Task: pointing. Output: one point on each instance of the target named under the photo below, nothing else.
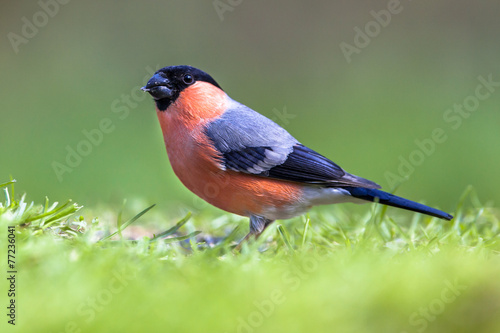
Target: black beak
(159, 87)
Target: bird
(242, 162)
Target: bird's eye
(188, 79)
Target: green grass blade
(7, 197)
(62, 214)
(51, 212)
(173, 229)
(119, 219)
(306, 228)
(129, 222)
(461, 200)
(181, 238)
(284, 236)
(400, 232)
(8, 183)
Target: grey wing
(251, 143)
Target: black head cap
(168, 82)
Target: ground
(330, 271)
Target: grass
(330, 271)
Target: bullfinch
(244, 163)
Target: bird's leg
(257, 226)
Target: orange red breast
(196, 162)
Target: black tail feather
(395, 201)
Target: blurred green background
(70, 68)
(85, 62)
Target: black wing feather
(245, 158)
(302, 165)
(305, 165)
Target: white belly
(312, 196)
